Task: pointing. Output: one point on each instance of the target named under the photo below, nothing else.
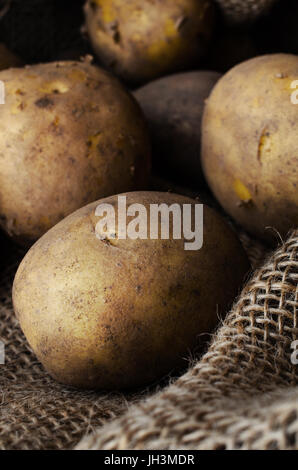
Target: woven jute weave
(242, 394)
(241, 11)
(35, 411)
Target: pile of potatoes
(112, 313)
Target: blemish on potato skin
(56, 121)
(20, 92)
(264, 144)
(242, 192)
(18, 107)
(114, 32)
(56, 87)
(281, 75)
(93, 142)
(181, 21)
(78, 112)
(77, 76)
(44, 103)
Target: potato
(173, 107)
(249, 144)
(144, 39)
(69, 134)
(8, 59)
(117, 313)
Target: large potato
(143, 39)
(69, 134)
(250, 141)
(173, 107)
(119, 313)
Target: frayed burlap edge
(242, 393)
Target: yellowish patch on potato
(56, 121)
(18, 107)
(19, 92)
(242, 192)
(165, 49)
(93, 141)
(44, 221)
(25, 134)
(107, 10)
(136, 37)
(284, 81)
(77, 75)
(265, 144)
(55, 86)
(170, 28)
(258, 102)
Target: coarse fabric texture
(243, 393)
(241, 11)
(35, 411)
(38, 413)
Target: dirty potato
(250, 141)
(140, 40)
(108, 313)
(173, 107)
(70, 134)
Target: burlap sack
(242, 11)
(242, 393)
(35, 411)
(219, 398)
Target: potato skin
(173, 107)
(70, 134)
(118, 314)
(140, 40)
(249, 144)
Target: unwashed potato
(120, 313)
(250, 141)
(173, 107)
(8, 59)
(70, 134)
(144, 39)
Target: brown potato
(120, 313)
(140, 40)
(249, 144)
(173, 107)
(70, 134)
